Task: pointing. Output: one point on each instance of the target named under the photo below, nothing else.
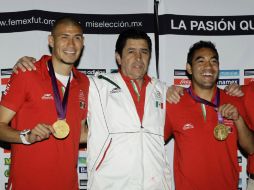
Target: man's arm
(234, 90)
(25, 63)
(8, 134)
(175, 92)
(84, 131)
(245, 135)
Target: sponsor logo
(92, 71)
(240, 159)
(227, 81)
(229, 73)
(82, 169)
(7, 161)
(6, 72)
(7, 150)
(248, 80)
(83, 182)
(113, 70)
(180, 73)
(188, 126)
(115, 90)
(7, 173)
(185, 82)
(4, 81)
(47, 97)
(82, 160)
(248, 72)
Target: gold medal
(220, 132)
(61, 128)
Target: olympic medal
(61, 128)
(220, 132)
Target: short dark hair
(131, 34)
(199, 45)
(65, 20)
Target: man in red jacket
(41, 104)
(247, 94)
(206, 124)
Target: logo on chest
(188, 126)
(82, 104)
(82, 99)
(158, 99)
(47, 96)
(115, 90)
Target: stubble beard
(68, 63)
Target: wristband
(23, 135)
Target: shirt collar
(214, 92)
(46, 58)
(147, 79)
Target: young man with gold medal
(207, 125)
(32, 102)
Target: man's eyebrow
(215, 57)
(68, 34)
(199, 57)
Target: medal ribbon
(135, 89)
(215, 104)
(203, 111)
(61, 107)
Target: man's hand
(229, 111)
(39, 133)
(174, 94)
(245, 135)
(234, 90)
(25, 63)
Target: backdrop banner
(25, 26)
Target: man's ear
(51, 41)
(118, 58)
(188, 68)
